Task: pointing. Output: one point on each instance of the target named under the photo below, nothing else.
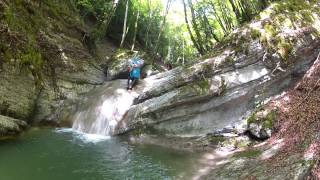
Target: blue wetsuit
(134, 75)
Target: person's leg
(133, 82)
(128, 83)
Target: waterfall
(101, 110)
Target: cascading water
(103, 108)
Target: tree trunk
(195, 26)
(183, 53)
(245, 11)
(189, 29)
(125, 29)
(226, 18)
(135, 30)
(150, 22)
(215, 13)
(162, 26)
(208, 27)
(113, 10)
(236, 11)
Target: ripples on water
(64, 154)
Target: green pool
(62, 154)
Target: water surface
(47, 154)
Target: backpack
(135, 71)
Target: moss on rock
(248, 154)
(260, 123)
(10, 126)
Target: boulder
(10, 126)
(260, 124)
(117, 67)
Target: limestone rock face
(17, 92)
(220, 91)
(72, 72)
(44, 64)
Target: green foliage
(223, 87)
(9, 16)
(28, 27)
(270, 30)
(31, 58)
(286, 15)
(99, 12)
(203, 86)
(285, 49)
(255, 34)
(252, 118)
(4, 108)
(85, 6)
(25, 20)
(165, 35)
(216, 139)
(266, 122)
(215, 19)
(269, 120)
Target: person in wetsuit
(134, 69)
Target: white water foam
(84, 137)
(103, 108)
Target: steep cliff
(45, 59)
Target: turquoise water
(47, 154)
